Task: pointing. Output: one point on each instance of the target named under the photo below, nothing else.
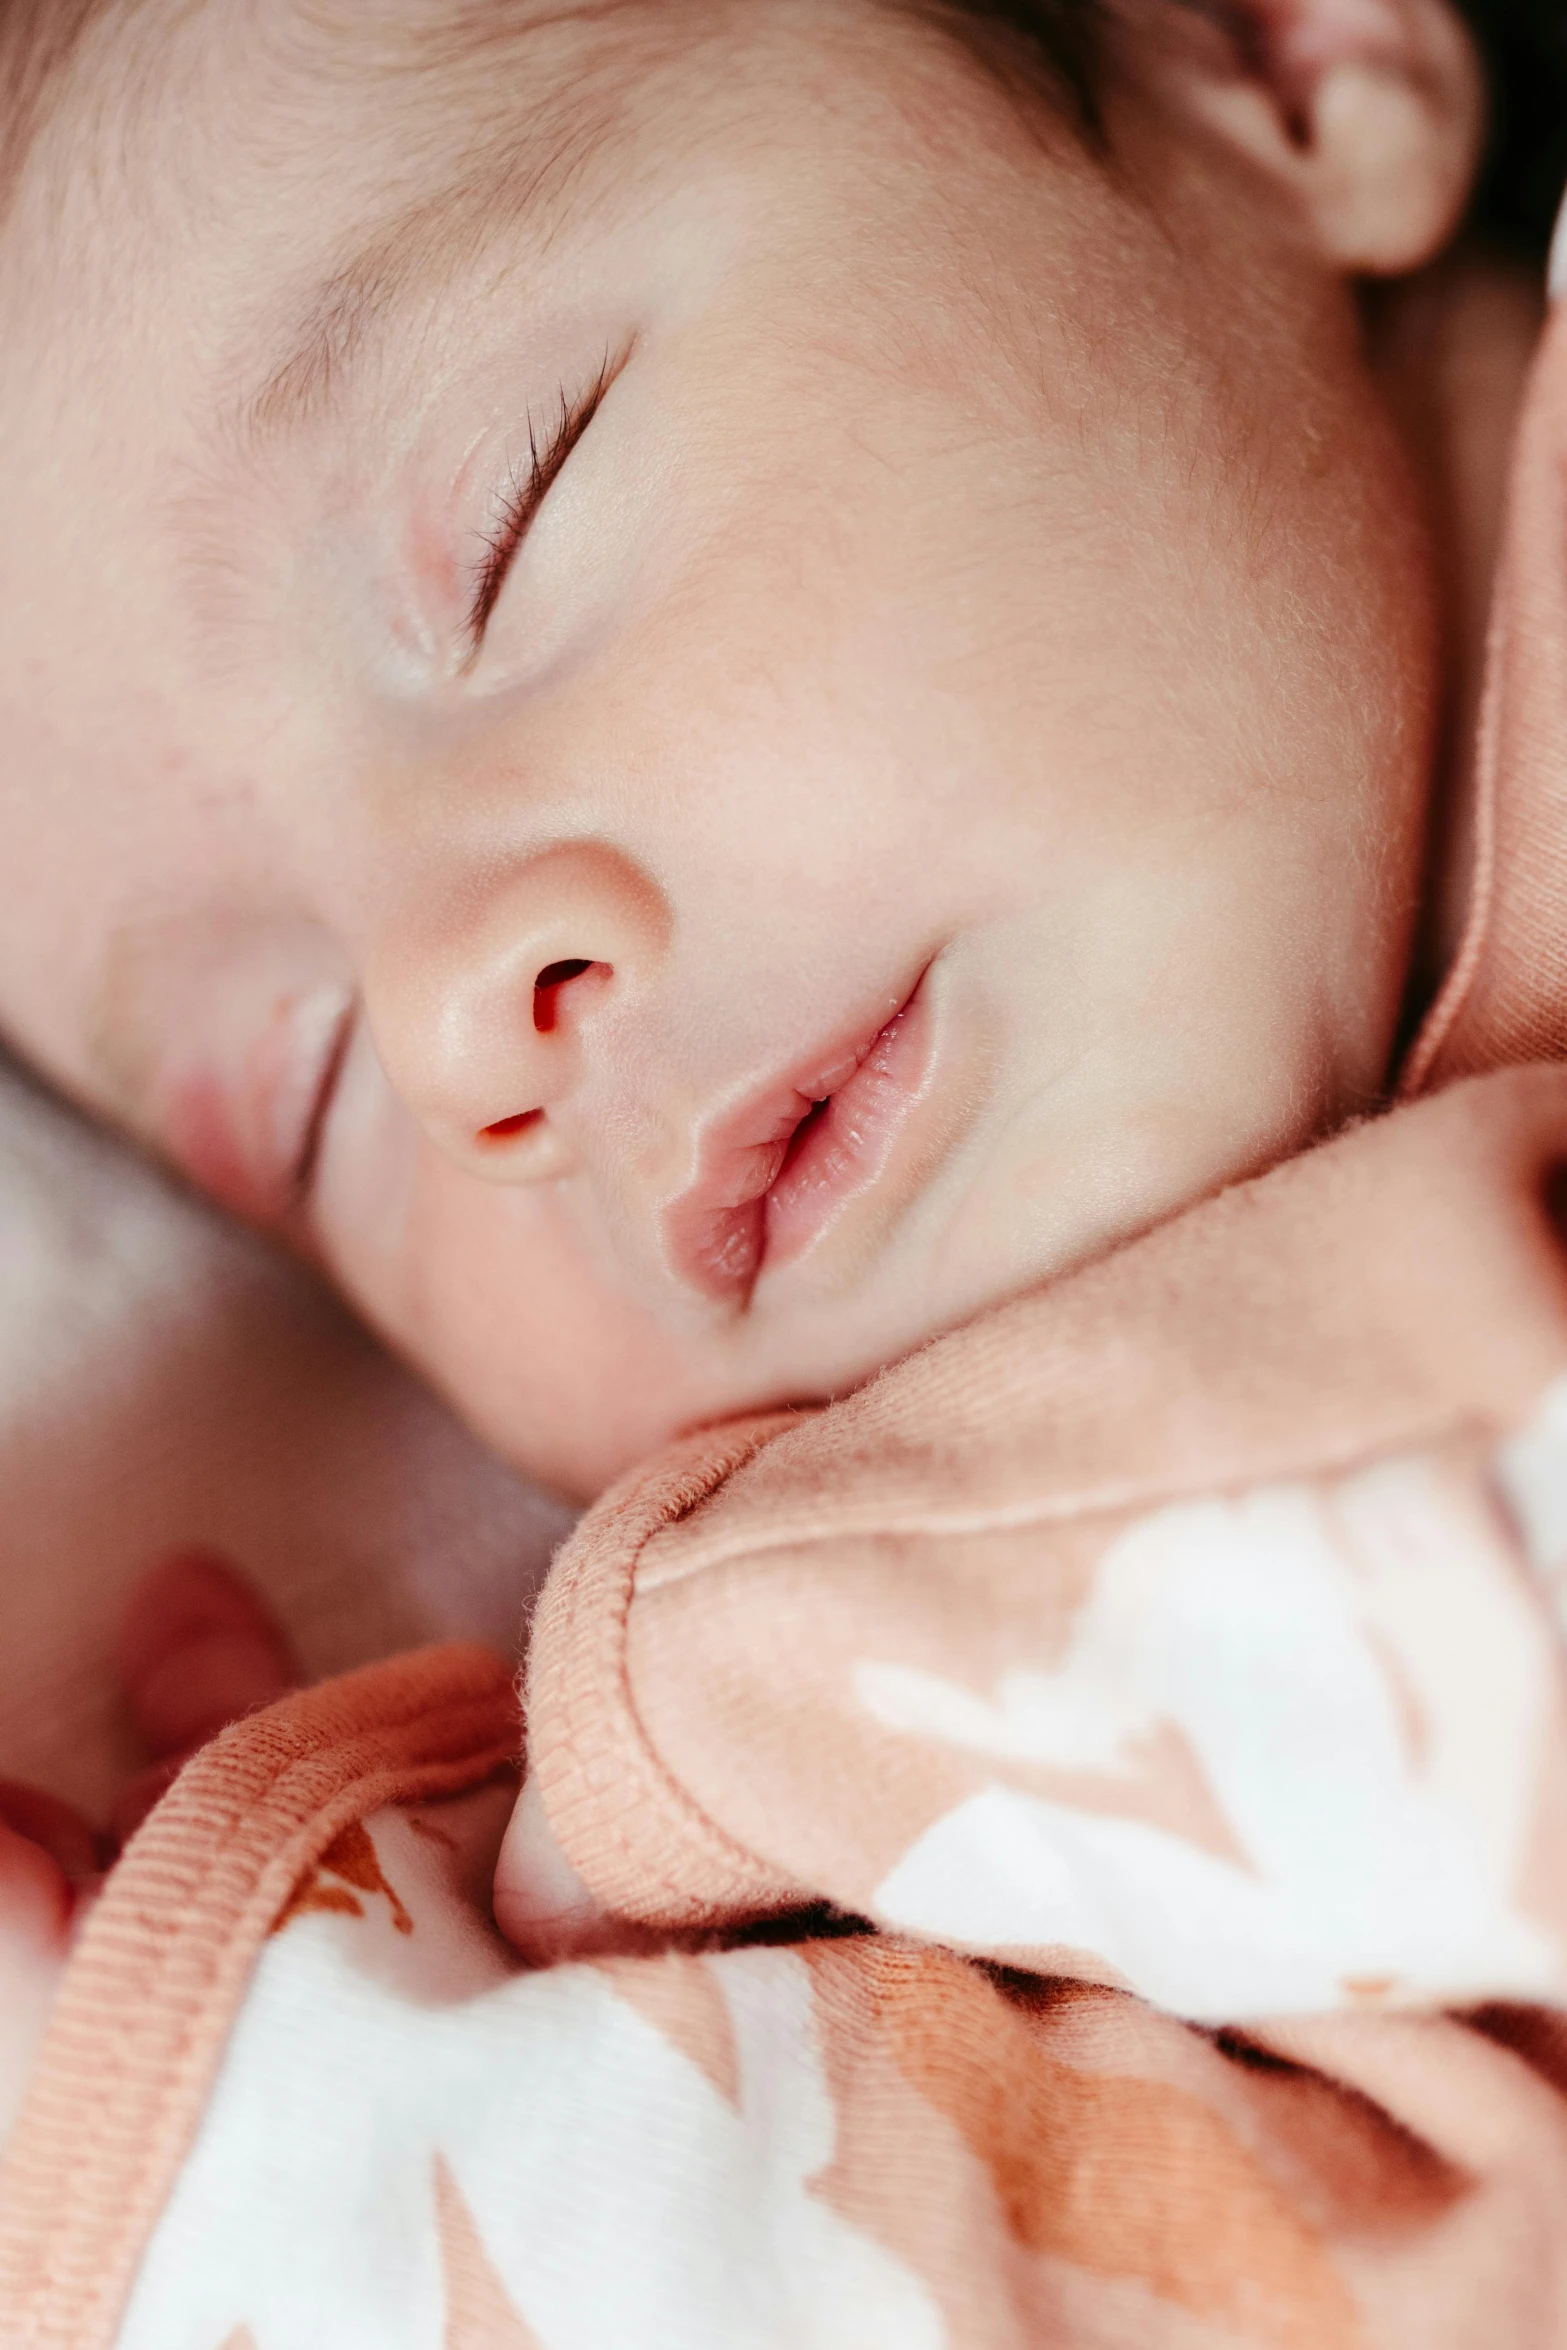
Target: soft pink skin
(197, 1650)
(982, 566)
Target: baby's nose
(483, 1011)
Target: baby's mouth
(777, 1173)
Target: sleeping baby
(716, 696)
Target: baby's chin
(575, 1382)
(607, 1391)
(516, 1303)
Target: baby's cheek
(37, 1917)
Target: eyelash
(302, 1174)
(525, 493)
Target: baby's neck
(1453, 349)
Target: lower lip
(836, 1153)
(843, 1147)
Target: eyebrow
(532, 174)
(331, 337)
(322, 350)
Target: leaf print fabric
(1174, 1720)
(1361, 1681)
(541, 2128)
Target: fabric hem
(142, 2019)
(592, 1760)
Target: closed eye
(329, 1069)
(530, 484)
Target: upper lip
(716, 1230)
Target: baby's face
(681, 689)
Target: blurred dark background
(1525, 43)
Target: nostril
(552, 980)
(546, 991)
(504, 1129)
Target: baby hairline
(41, 43)
(1062, 50)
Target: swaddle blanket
(1169, 1667)
(1094, 1804)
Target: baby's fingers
(198, 1650)
(38, 1903)
(541, 1904)
(52, 1828)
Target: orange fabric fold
(140, 2028)
(602, 1781)
(696, 1733)
(1506, 998)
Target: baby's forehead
(242, 193)
(106, 54)
(132, 115)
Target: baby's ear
(1368, 114)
